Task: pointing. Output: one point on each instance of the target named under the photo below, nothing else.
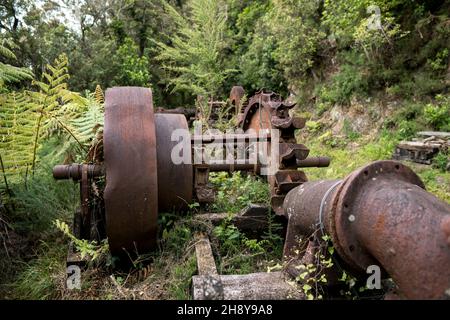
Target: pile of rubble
(425, 148)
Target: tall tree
(194, 57)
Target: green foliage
(284, 43)
(406, 129)
(294, 25)
(313, 276)
(18, 130)
(9, 73)
(313, 126)
(175, 237)
(28, 118)
(351, 134)
(442, 160)
(179, 287)
(331, 140)
(322, 107)
(133, 69)
(440, 62)
(38, 200)
(258, 66)
(42, 277)
(348, 20)
(90, 250)
(436, 180)
(238, 191)
(352, 80)
(437, 114)
(194, 56)
(229, 236)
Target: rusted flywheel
(141, 178)
(131, 193)
(175, 181)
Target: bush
(313, 126)
(352, 80)
(438, 115)
(406, 129)
(237, 192)
(441, 160)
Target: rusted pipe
(73, 171)
(380, 215)
(318, 162)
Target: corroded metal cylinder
(73, 171)
(175, 181)
(381, 215)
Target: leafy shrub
(440, 62)
(238, 191)
(441, 160)
(438, 115)
(330, 140)
(322, 107)
(351, 81)
(406, 129)
(351, 134)
(313, 126)
(133, 68)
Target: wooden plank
(437, 134)
(417, 145)
(254, 286)
(205, 259)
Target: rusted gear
(266, 111)
(131, 193)
(175, 181)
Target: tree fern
(55, 105)
(99, 96)
(194, 56)
(9, 73)
(17, 132)
(28, 118)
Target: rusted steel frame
(240, 137)
(74, 171)
(131, 193)
(84, 196)
(244, 141)
(380, 215)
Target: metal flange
(346, 208)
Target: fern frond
(99, 96)
(9, 73)
(17, 127)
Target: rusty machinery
(378, 215)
